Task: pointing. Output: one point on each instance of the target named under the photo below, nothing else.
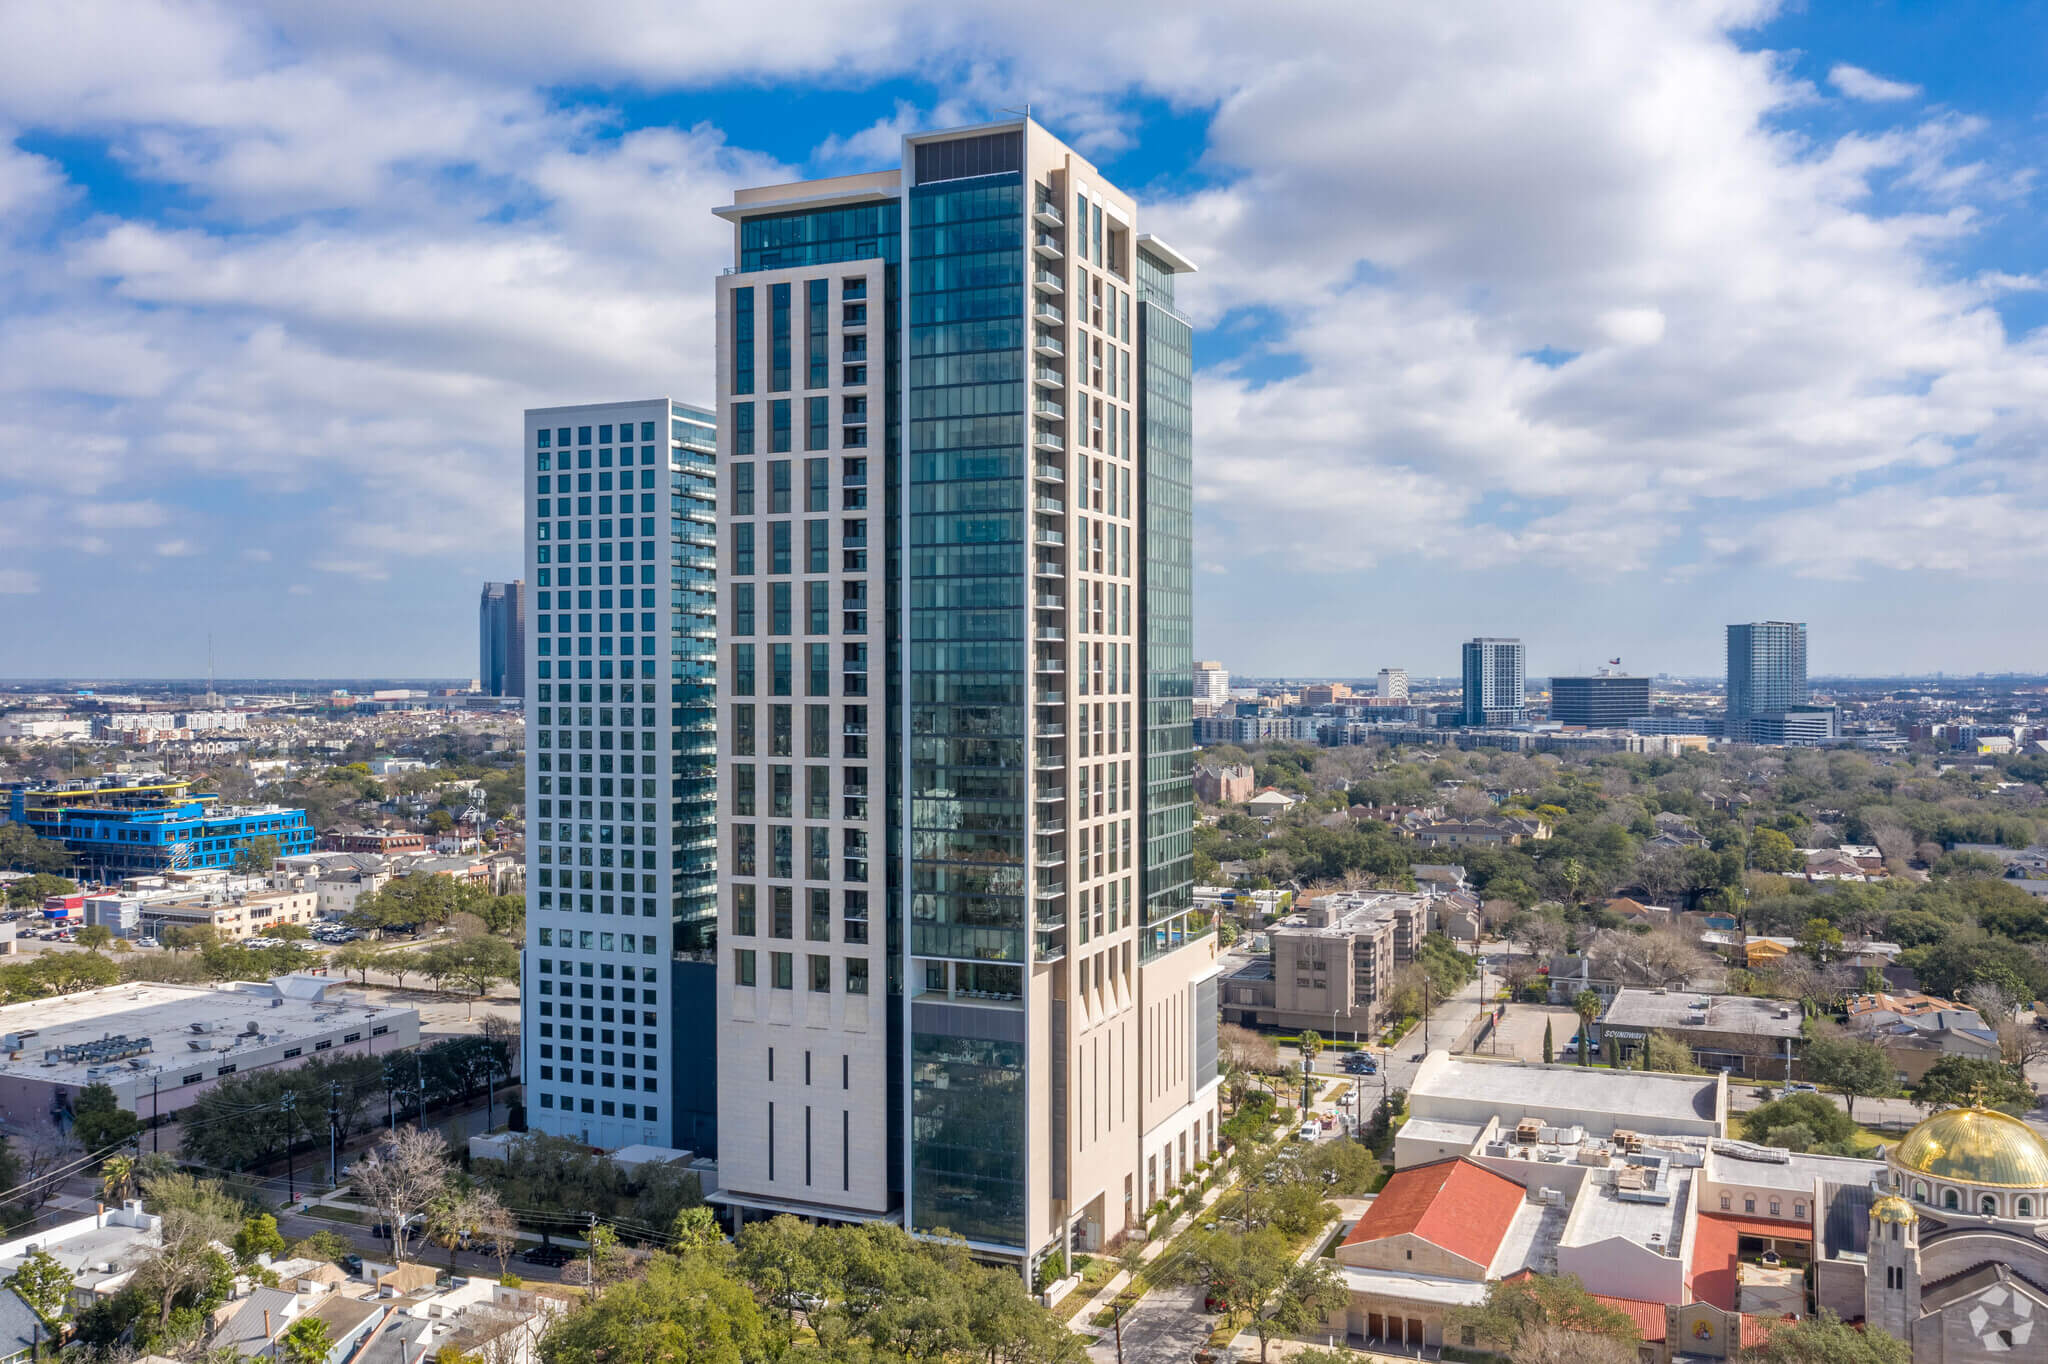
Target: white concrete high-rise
(962, 980)
(1393, 684)
(621, 853)
(1212, 683)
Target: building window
(1727, 1202)
(783, 968)
(1749, 1203)
(742, 341)
(1775, 1208)
(1949, 1199)
(821, 975)
(1988, 1206)
(743, 966)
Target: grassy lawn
(331, 1214)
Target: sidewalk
(1117, 1282)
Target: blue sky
(1599, 324)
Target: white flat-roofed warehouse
(160, 1046)
(1452, 1099)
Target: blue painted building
(123, 830)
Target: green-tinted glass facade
(1166, 625)
(967, 699)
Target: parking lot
(1521, 1032)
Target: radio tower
(212, 700)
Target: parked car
(352, 1263)
(1309, 1132)
(552, 1256)
(1802, 1088)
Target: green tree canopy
(1814, 1112)
(1968, 1082)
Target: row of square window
(853, 431)
(817, 484)
(782, 972)
(549, 460)
(567, 1103)
(782, 913)
(560, 434)
(587, 903)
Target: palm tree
(117, 1178)
(1586, 1005)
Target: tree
(258, 1236)
(94, 937)
(1308, 1292)
(1825, 1339)
(327, 1245)
(1771, 850)
(402, 1178)
(257, 856)
(1586, 1004)
(687, 1309)
(31, 891)
(1968, 1082)
(98, 1121)
(1549, 1047)
(1671, 1055)
(44, 1284)
(1815, 1112)
(475, 964)
(306, 1341)
(1820, 940)
(355, 958)
(197, 938)
(1311, 1044)
(1857, 1067)
(117, 1178)
(695, 1229)
(1549, 1319)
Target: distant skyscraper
(1212, 683)
(501, 634)
(963, 983)
(1393, 684)
(621, 852)
(1602, 701)
(1766, 668)
(1494, 683)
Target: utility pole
(289, 1103)
(333, 1135)
(420, 1077)
(156, 1115)
(590, 1248)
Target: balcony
(1048, 760)
(1045, 343)
(1049, 473)
(1050, 601)
(1052, 505)
(1052, 665)
(1048, 246)
(1048, 440)
(1047, 858)
(1051, 634)
(1046, 213)
(1048, 537)
(1048, 568)
(1049, 313)
(855, 809)
(1047, 282)
(1052, 731)
(1049, 407)
(1045, 376)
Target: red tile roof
(1455, 1204)
(1648, 1316)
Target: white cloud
(257, 556)
(391, 237)
(176, 549)
(19, 582)
(1857, 83)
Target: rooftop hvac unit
(1549, 1197)
(204, 1025)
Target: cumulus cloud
(391, 236)
(1857, 83)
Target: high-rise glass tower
(501, 639)
(962, 982)
(621, 853)
(1495, 690)
(1766, 668)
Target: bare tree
(1992, 1000)
(402, 1178)
(1657, 957)
(2021, 1044)
(1546, 1344)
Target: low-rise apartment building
(1330, 966)
(1757, 1038)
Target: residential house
(1224, 784)
(101, 1252)
(1270, 802)
(22, 1333)
(1916, 1030)
(1483, 831)
(1635, 911)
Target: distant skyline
(1596, 324)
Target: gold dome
(1975, 1146)
(1893, 1209)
